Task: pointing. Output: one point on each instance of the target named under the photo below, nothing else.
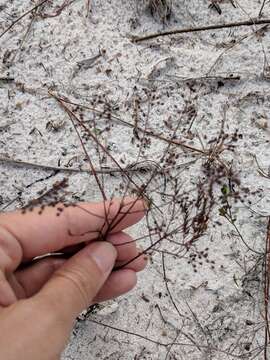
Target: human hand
(39, 302)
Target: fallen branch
(251, 22)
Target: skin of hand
(40, 301)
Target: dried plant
(161, 9)
(190, 181)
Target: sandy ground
(215, 312)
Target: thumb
(55, 307)
(73, 287)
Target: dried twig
(261, 9)
(39, 166)
(251, 22)
(22, 16)
(140, 167)
(266, 291)
(6, 79)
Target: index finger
(49, 229)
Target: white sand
(222, 308)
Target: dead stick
(39, 166)
(251, 22)
(131, 168)
(266, 291)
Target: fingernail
(104, 254)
